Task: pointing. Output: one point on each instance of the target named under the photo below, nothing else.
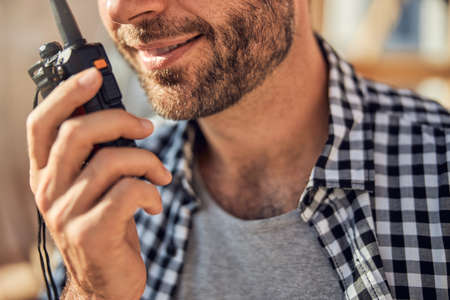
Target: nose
(134, 11)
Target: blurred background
(401, 42)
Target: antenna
(66, 23)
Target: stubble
(241, 52)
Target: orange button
(100, 64)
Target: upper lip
(164, 43)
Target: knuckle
(33, 180)
(130, 189)
(80, 238)
(127, 186)
(70, 130)
(96, 167)
(54, 221)
(71, 85)
(109, 161)
(63, 90)
(32, 123)
(104, 160)
(42, 198)
(78, 235)
(105, 164)
(105, 155)
(42, 202)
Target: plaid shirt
(378, 197)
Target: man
(294, 178)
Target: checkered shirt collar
(347, 159)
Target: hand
(89, 211)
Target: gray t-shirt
(274, 258)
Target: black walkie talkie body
(60, 63)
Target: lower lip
(155, 62)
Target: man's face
(195, 58)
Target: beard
(250, 42)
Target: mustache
(160, 28)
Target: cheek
(211, 11)
(110, 26)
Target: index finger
(43, 122)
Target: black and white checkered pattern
(378, 197)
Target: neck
(283, 120)
(259, 153)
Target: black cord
(36, 98)
(41, 258)
(47, 258)
(42, 241)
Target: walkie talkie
(59, 63)
(56, 65)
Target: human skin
(264, 161)
(92, 228)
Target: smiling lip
(161, 54)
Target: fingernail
(146, 124)
(89, 78)
(169, 175)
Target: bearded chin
(231, 61)
(180, 95)
(168, 97)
